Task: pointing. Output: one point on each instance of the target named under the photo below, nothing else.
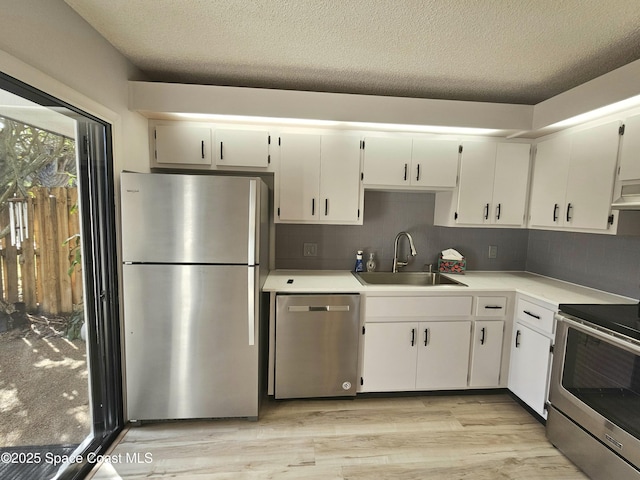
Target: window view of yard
(44, 397)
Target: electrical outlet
(310, 249)
(493, 251)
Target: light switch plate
(310, 249)
(493, 251)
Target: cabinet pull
(569, 208)
(486, 211)
(556, 207)
(413, 337)
(493, 307)
(313, 206)
(326, 207)
(202, 148)
(426, 336)
(221, 155)
(517, 338)
(498, 215)
(482, 332)
(537, 317)
(418, 175)
(405, 172)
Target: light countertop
(549, 290)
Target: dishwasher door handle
(325, 308)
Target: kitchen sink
(424, 279)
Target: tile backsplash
(386, 214)
(605, 262)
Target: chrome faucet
(396, 263)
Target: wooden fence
(37, 273)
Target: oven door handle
(605, 337)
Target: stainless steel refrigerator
(195, 255)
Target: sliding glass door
(60, 374)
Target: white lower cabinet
(405, 356)
(486, 353)
(390, 355)
(529, 368)
(443, 355)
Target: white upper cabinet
(510, 183)
(299, 177)
(319, 179)
(493, 184)
(476, 183)
(549, 184)
(592, 171)
(242, 148)
(387, 161)
(340, 179)
(182, 145)
(630, 150)
(417, 162)
(434, 163)
(573, 179)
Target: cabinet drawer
(536, 316)
(391, 307)
(491, 307)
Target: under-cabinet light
(334, 123)
(598, 112)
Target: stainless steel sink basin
(424, 279)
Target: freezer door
(190, 218)
(191, 341)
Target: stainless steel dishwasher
(316, 345)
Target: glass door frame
(100, 272)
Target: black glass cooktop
(623, 319)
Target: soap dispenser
(371, 263)
(359, 266)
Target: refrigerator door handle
(251, 288)
(253, 229)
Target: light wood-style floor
(422, 437)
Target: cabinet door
(242, 148)
(299, 177)
(549, 184)
(387, 161)
(630, 151)
(476, 183)
(591, 175)
(529, 367)
(510, 184)
(443, 355)
(182, 144)
(340, 179)
(486, 355)
(390, 351)
(434, 163)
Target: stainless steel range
(594, 411)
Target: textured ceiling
(512, 51)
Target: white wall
(73, 62)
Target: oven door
(595, 382)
